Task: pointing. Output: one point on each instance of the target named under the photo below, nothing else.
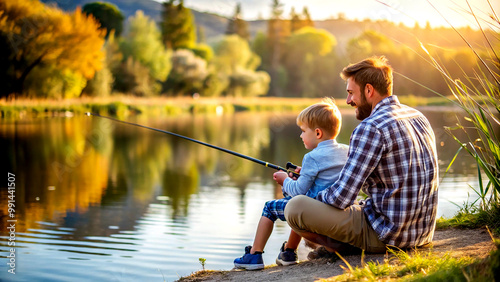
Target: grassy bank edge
(122, 106)
(422, 265)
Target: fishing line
(264, 163)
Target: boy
(320, 124)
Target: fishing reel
(290, 167)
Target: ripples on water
(153, 206)
(158, 246)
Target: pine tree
(237, 25)
(177, 26)
(295, 21)
(307, 17)
(277, 30)
(300, 21)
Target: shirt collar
(387, 101)
(327, 142)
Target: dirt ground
(457, 242)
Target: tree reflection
(92, 174)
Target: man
(392, 158)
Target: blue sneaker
(249, 261)
(287, 257)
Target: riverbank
(463, 245)
(122, 106)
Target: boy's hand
(297, 170)
(280, 177)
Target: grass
(479, 97)
(425, 266)
(471, 217)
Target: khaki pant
(305, 214)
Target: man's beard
(364, 110)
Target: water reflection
(133, 203)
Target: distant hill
(215, 25)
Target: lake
(104, 201)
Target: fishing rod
(266, 164)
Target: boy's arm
(308, 174)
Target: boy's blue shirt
(320, 169)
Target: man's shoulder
(389, 114)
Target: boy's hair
(324, 115)
(375, 71)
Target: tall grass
(479, 97)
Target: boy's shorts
(275, 209)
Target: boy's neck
(323, 140)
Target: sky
(405, 11)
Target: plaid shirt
(392, 158)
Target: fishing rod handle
(291, 169)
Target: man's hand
(280, 177)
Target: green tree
(101, 84)
(188, 73)
(246, 83)
(203, 51)
(107, 14)
(307, 49)
(232, 53)
(237, 25)
(370, 43)
(177, 26)
(235, 64)
(48, 81)
(39, 35)
(133, 77)
(143, 44)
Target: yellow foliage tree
(40, 35)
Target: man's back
(392, 158)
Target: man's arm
(365, 151)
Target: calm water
(98, 200)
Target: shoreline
(473, 244)
(122, 106)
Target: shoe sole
(249, 266)
(285, 263)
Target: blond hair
(324, 115)
(374, 70)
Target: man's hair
(324, 115)
(375, 71)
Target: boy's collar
(327, 142)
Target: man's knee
(294, 210)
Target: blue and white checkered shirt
(392, 158)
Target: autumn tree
(107, 14)
(237, 25)
(177, 26)
(37, 35)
